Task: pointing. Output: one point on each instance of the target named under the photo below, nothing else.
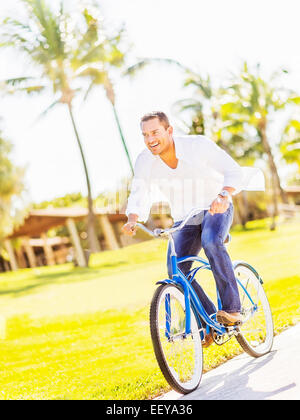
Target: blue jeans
(209, 233)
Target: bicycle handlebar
(160, 232)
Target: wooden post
(48, 250)
(76, 242)
(20, 258)
(6, 266)
(120, 233)
(11, 253)
(108, 232)
(29, 252)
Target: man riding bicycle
(189, 172)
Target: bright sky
(212, 36)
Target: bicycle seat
(227, 239)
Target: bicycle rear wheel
(256, 333)
(179, 356)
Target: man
(191, 172)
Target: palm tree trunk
(110, 93)
(239, 204)
(275, 180)
(123, 139)
(91, 231)
(275, 203)
(272, 165)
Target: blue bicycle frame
(191, 298)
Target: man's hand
(219, 205)
(129, 228)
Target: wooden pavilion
(32, 234)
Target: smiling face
(157, 137)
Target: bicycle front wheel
(179, 356)
(256, 332)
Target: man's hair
(163, 119)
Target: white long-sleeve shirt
(203, 170)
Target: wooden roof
(293, 189)
(39, 221)
(57, 240)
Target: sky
(213, 37)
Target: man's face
(157, 138)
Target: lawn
(74, 333)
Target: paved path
(275, 376)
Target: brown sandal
(207, 341)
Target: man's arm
(138, 204)
(223, 163)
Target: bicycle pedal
(228, 325)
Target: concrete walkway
(275, 376)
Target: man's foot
(207, 341)
(227, 318)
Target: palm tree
(61, 50)
(205, 116)
(101, 64)
(196, 106)
(250, 101)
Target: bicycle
(177, 317)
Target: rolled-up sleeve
(218, 159)
(139, 199)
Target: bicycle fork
(186, 292)
(187, 311)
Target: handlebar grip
(157, 231)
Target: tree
(11, 186)
(203, 113)
(251, 101)
(199, 106)
(102, 64)
(290, 143)
(63, 51)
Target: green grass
(74, 333)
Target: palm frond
(45, 112)
(18, 80)
(187, 105)
(88, 91)
(294, 100)
(22, 84)
(141, 64)
(32, 89)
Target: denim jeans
(209, 232)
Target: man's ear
(170, 130)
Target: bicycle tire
(256, 333)
(162, 344)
